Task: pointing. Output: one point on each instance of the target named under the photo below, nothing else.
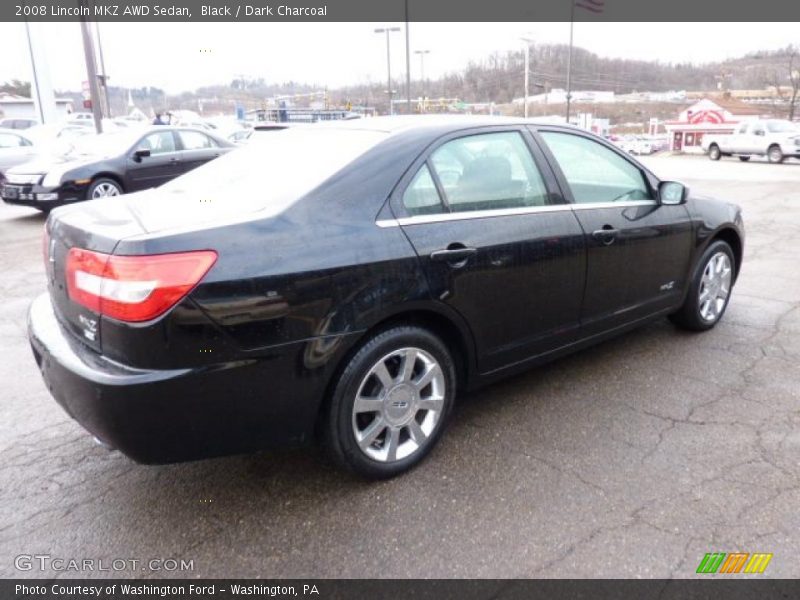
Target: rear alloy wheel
(391, 402)
(714, 152)
(775, 154)
(102, 188)
(710, 290)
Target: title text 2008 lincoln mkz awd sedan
(345, 282)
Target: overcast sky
(169, 56)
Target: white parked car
(15, 148)
(774, 138)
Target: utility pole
(527, 41)
(91, 72)
(408, 65)
(104, 75)
(569, 58)
(422, 54)
(387, 31)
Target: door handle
(173, 160)
(455, 254)
(607, 235)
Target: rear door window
(489, 171)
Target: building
(707, 116)
(19, 107)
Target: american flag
(595, 6)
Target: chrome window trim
(506, 212)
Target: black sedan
(110, 164)
(388, 265)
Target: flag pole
(569, 56)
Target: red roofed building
(717, 116)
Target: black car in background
(110, 164)
(388, 265)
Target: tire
(103, 187)
(713, 276)
(775, 155)
(714, 152)
(400, 431)
(744, 158)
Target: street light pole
(387, 31)
(569, 59)
(408, 65)
(422, 54)
(527, 69)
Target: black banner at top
(400, 10)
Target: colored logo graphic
(735, 562)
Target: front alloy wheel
(103, 188)
(391, 402)
(715, 287)
(709, 290)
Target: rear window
(274, 171)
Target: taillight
(134, 288)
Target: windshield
(274, 171)
(781, 127)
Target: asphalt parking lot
(631, 459)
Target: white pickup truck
(773, 138)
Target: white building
(19, 107)
(717, 116)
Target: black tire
(744, 158)
(775, 154)
(689, 316)
(340, 420)
(714, 152)
(100, 182)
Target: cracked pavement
(630, 459)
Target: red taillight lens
(134, 288)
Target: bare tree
(792, 72)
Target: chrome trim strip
(506, 212)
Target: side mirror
(138, 155)
(672, 192)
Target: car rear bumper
(162, 416)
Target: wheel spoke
(434, 404)
(392, 442)
(425, 379)
(407, 370)
(365, 404)
(416, 432)
(383, 375)
(370, 434)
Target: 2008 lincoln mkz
(344, 282)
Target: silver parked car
(15, 148)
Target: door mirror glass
(672, 192)
(140, 154)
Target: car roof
(403, 123)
